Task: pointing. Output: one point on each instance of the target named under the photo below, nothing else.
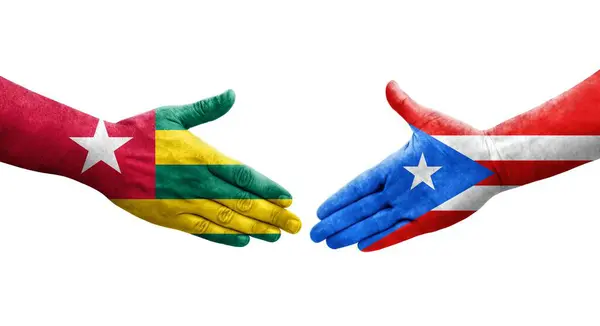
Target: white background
(311, 114)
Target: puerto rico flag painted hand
(150, 165)
(449, 169)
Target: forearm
(39, 134)
(557, 136)
(575, 112)
(32, 132)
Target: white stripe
(472, 199)
(520, 148)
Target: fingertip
(269, 237)
(293, 225)
(218, 106)
(227, 98)
(242, 240)
(278, 190)
(408, 109)
(223, 103)
(364, 247)
(317, 234)
(333, 244)
(234, 240)
(394, 94)
(284, 200)
(391, 85)
(390, 88)
(284, 194)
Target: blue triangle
(457, 174)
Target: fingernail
(293, 226)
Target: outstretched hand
(194, 188)
(425, 186)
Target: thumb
(191, 115)
(406, 107)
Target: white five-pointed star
(101, 147)
(422, 173)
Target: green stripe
(182, 117)
(168, 118)
(249, 179)
(266, 237)
(237, 240)
(197, 182)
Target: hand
(424, 187)
(157, 170)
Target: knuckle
(199, 108)
(276, 215)
(244, 203)
(201, 227)
(243, 176)
(225, 215)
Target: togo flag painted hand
(448, 169)
(150, 165)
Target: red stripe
(574, 113)
(423, 118)
(518, 173)
(429, 222)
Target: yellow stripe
(265, 211)
(181, 147)
(281, 202)
(171, 212)
(161, 212)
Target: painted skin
(388, 197)
(202, 191)
(463, 169)
(150, 165)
